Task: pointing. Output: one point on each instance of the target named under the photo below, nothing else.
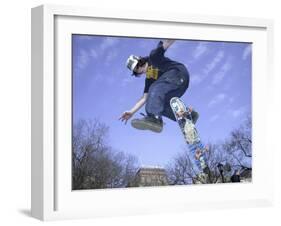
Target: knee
(152, 93)
(155, 93)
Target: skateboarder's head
(138, 65)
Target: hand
(180, 113)
(126, 116)
(198, 154)
(167, 43)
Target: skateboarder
(165, 79)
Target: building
(149, 176)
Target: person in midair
(165, 79)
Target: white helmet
(132, 62)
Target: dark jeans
(172, 83)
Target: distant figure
(235, 177)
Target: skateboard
(184, 119)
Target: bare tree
(88, 138)
(181, 170)
(94, 163)
(239, 145)
(223, 159)
(129, 169)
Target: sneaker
(148, 123)
(192, 115)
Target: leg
(168, 112)
(169, 82)
(195, 116)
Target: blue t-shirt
(157, 65)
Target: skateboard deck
(184, 119)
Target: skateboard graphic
(191, 136)
(184, 119)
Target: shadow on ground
(25, 212)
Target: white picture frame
(52, 197)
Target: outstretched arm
(167, 43)
(139, 104)
(157, 55)
(128, 114)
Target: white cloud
(209, 67)
(238, 112)
(247, 51)
(82, 59)
(108, 50)
(200, 50)
(219, 76)
(217, 59)
(217, 99)
(93, 53)
(110, 56)
(196, 78)
(108, 42)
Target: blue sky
(219, 89)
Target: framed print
(201, 141)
